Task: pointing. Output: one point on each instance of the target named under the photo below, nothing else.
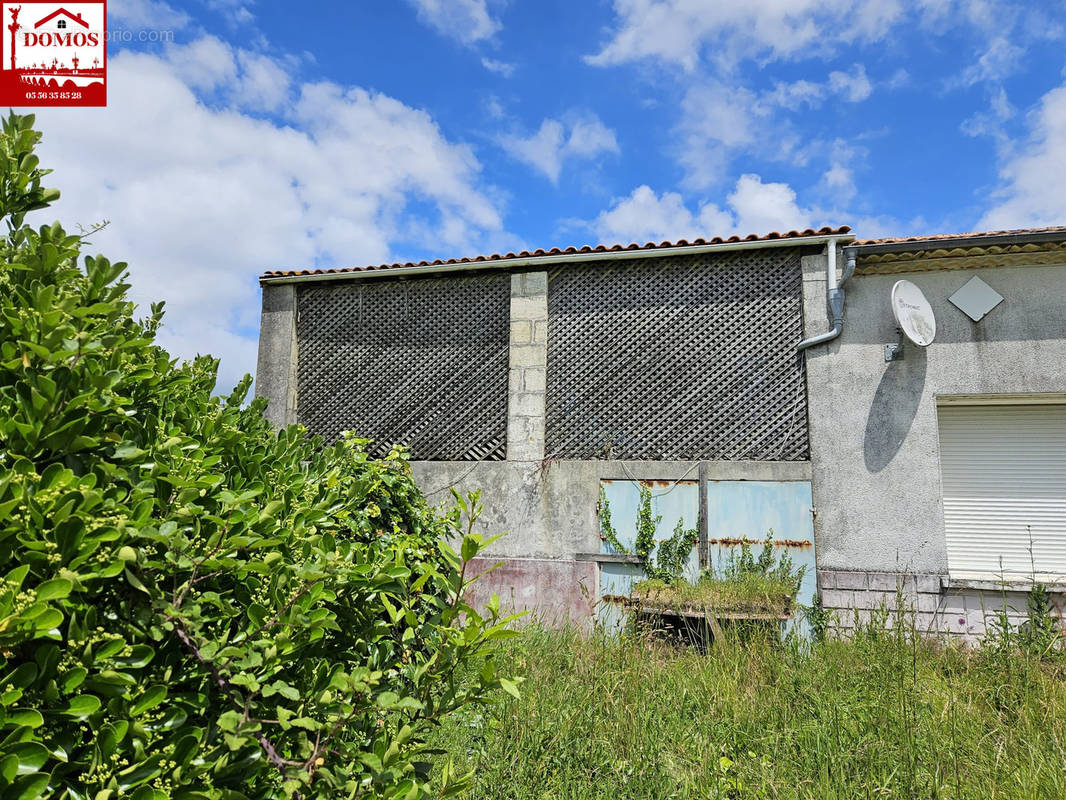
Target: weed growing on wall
(662, 562)
(743, 566)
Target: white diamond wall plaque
(975, 299)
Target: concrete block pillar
(529, 363)
(275, 372)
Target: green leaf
(386, 699)
(510, 687)
(149, 700)
(135, 582)
(9, 767)
(31, 755)
(49, 620)
(29, 717)
(140, 656)
(282, 688)
(127, 452)
(73, 678)
(229, 721)
(22, 676)
(470, 547)
(82, 706)
(55, 589)
(16, 576)
(29, 787)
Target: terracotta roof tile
(936, 236)
(555, 251)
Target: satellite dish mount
(894, 352)
(914, 319)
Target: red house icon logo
(58, 58)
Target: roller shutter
(1003, 470)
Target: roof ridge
(571, 250)
(971, 235)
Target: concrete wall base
(555, 592)
(855, 599)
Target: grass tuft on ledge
(750, 593)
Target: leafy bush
(193, 604)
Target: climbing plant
(665, 562)
(193, 604)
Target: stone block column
(529, 363)
(275, 373)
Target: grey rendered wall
(873, 425)
(546, 511)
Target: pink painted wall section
(554, 591)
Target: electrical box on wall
(975, 299)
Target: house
(744, 380)
(944, 472)
(63, 20)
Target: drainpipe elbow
(822, 338)
(835, 307)
(851, 255)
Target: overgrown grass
(885, 714)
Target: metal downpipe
(834, 295)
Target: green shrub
(193, 604)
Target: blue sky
(267, 134)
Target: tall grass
(884, 714)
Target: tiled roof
(934, 237)
(555, 251)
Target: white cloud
(645, 216)
(589, 137)
(753, 207)
(499, 67)
(494, 108)
(236, 12)
(548, 148)
(719, 120)
(991, 122)
(467, 21)
(1000, 58)
(838, 181)
(716, 120)
(202, 199)
(724, 33)
(1031, 194)
(763, 207)
(680, 31)
(852, 86)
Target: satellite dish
(913, 313)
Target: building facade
(943, 473)
(552, 380)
